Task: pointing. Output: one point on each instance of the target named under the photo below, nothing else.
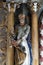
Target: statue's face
(22, 19)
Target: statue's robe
(23, 33)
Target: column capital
(11, 6)
(35, 6)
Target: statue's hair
(23, 9)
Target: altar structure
(7, 11)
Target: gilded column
(10, 49)
(35, 35)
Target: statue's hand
(14, 43)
